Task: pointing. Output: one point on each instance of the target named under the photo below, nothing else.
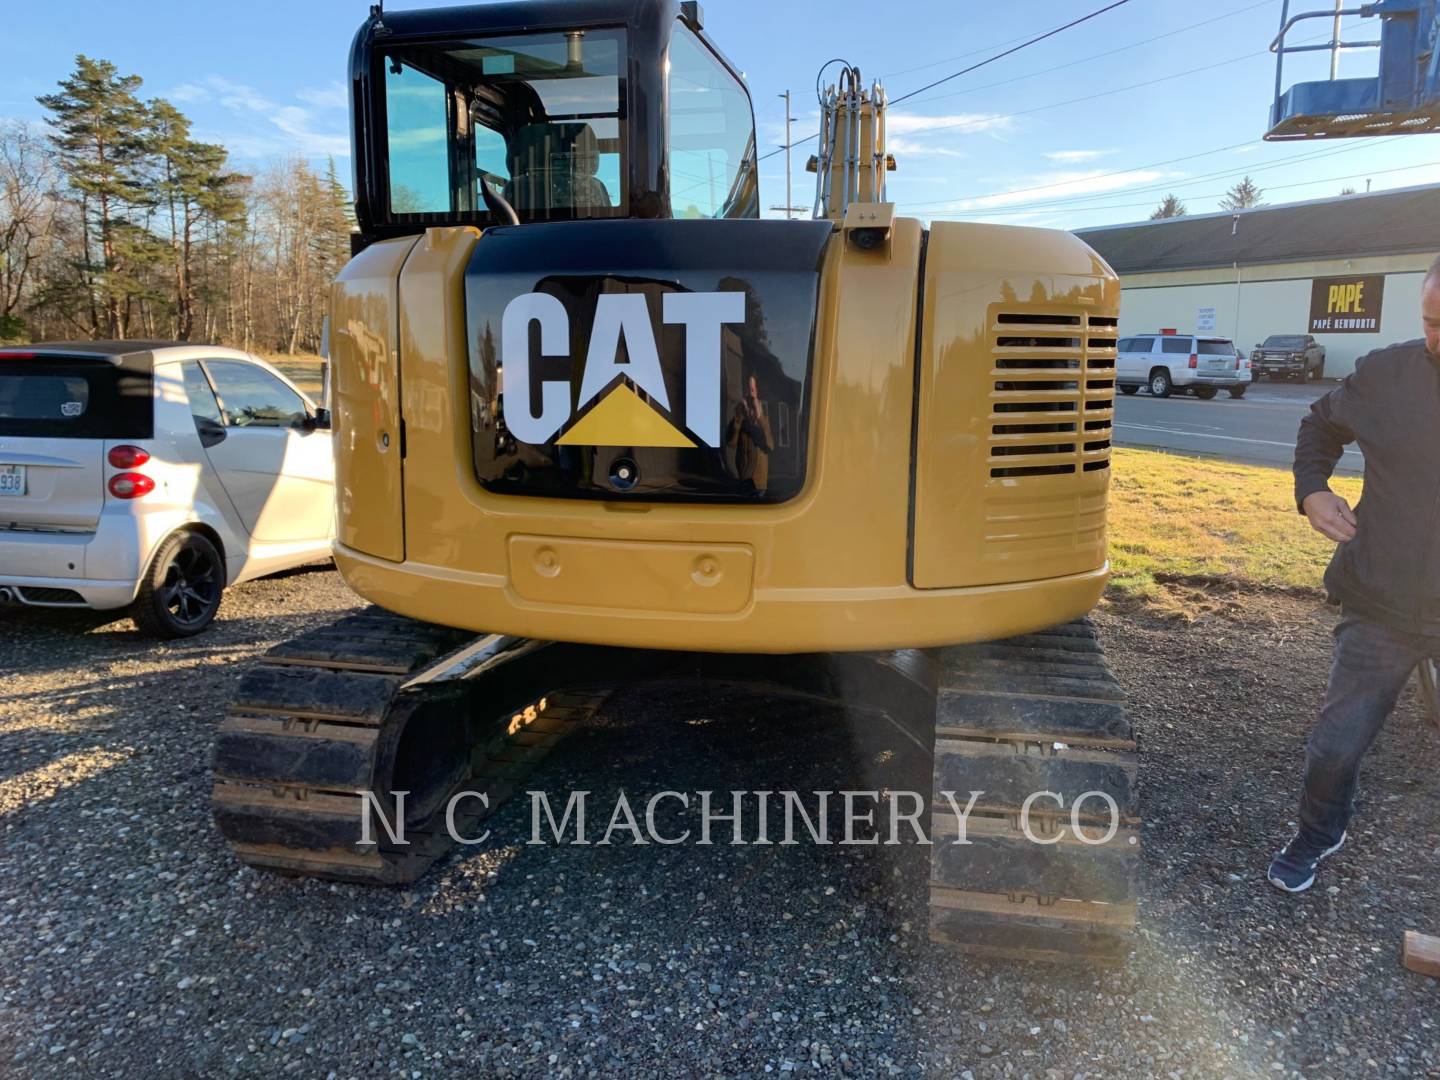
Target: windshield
(1282, 341)
(539, 117)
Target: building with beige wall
(1271, 270)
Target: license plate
(12, 479)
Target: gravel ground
(132, 944)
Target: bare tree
(28, 219)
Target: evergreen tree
(1170, 207)
(1242, 196)
(101, 143)
(194, 190)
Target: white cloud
(953, 124)
(295, 128)
(901, 146)
(186, 93)
(329, 97)
(1060, 185)
(1074, 157)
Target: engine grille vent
(1053, 398)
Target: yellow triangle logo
(622, 419)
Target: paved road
(1259, 428)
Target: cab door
(277, 470)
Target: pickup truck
(1289, 356)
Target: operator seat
(553, 167)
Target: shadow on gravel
(133, 942)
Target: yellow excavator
(596, 422)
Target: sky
(1090, 127)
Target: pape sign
(1346, 305)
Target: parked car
(1289, 356)
(1201, 364)
(151, 476)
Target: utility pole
(1335, 42)
(789, 206)
(788, 200)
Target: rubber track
(319, 721)
(1038, 713)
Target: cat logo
(620, 417)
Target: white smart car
(151, 476)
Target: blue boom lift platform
(1403, 98)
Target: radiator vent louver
(1028, 350)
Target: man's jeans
(1370, 669)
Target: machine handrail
(1279, 48)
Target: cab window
(538, 117)
(712, 134)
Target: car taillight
(1194, 360)
(130, 485)
(1237, 361)
(128, 457)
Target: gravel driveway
(132, 944)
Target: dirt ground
(132, 943)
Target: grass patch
(303, 369)
(1176, 518)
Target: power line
(1059, 104)
(1097, 176)
(1101, 56)
(1168, 185)
(1150, 202)
(1014, 49)
(973, 67)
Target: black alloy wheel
(181, 592)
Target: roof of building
(1400, 221)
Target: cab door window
(712, 134)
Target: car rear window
(1280, 341)
(1216, 347)
(69, 398)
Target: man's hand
(1330, 515)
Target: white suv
(1169, 362)
(152, 476)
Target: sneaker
(1293, 870)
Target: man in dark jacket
(1385, 572)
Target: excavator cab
(1403, 98)
(566, 112)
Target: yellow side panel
(365, 374)
(1017, 394)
